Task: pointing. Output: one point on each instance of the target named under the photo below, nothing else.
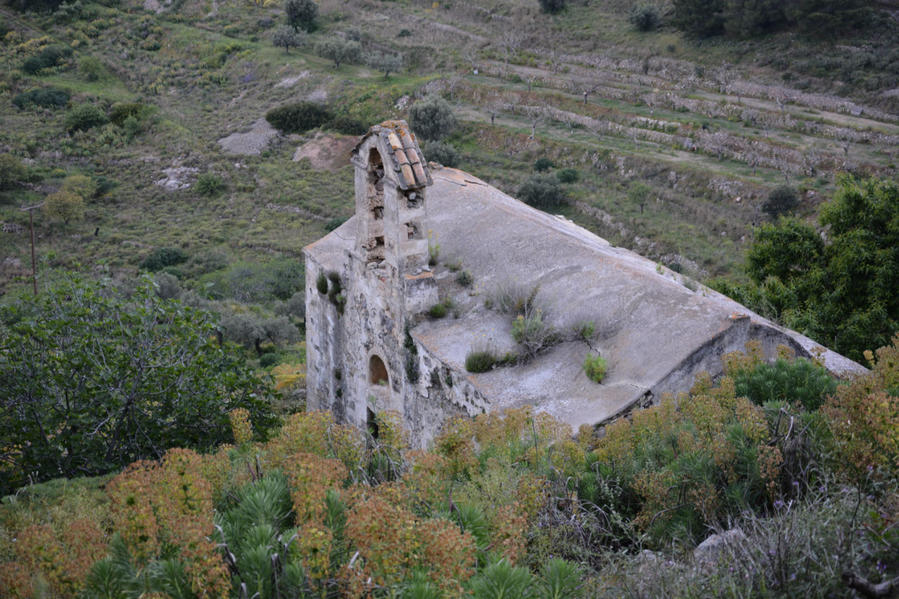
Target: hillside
(676, 142)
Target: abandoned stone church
(370, 284)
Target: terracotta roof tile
(405, 156)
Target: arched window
(377, 372)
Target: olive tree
(432, 118)
(301, 14)
(340, 51)
(286, 37)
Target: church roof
(655, 328)
(402, 150)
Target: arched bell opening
(377, 372)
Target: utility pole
(30, 210)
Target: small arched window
(377, 372)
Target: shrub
(432, 118)
(552, 6)
(340, 51)
(12, 172)
(45, 97)
(81, 185)
(441, 153)
(595, 367)
(209, 184)
(464, 278)
(438, 310)
(256, 282)
(163, 257)
(543, 164)
(480, 361)
(321, 283)
(799, 381)
(133, 372)
(84, 117)
(121, 111)
(543, 191)
(91, 68)
(568, 175)
(644, 17)
(64, 206)
(347, 125)
(781, 200)
(298, 118)
(286, 37)
(47, 58)
(532, 333)
(301, 14)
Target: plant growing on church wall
(595, 367)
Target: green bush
(438, 310)
(94, 379)
(552, 6)
(543, 191)
(298, 118)
(84, 117)
(49, 57)
(121, 111)
(543, 164)
(321, 283)
(45, 97)
(595, 367)
(644, 17)
(256, 282)
(794, 381)
(568, 175)
(209, 184)
(464, 278)
(480, 361)
(432, 118)
(12, 172)
(347, 125)
(441, 153)
(91, 68)
(781, 200)
(163, 257)
(531, 332)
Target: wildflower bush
(502, 505)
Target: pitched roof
(406, 159)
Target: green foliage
(385, 63)
(301, 14)
(255, 282)
(347, 125)
(432, 118)
(543, 164)
(209, 184)
(51, 56)
(95, 379)
(543, 192)
(438, 310)
(44, 97)
(339, 50)
(298, 118)
(532, 333)
(287, 37)
(552, 6)
(644, 17)
(163, 257)
(85, 116)
(799, 381)
(64, 206)
(568, 175)
(91, 68)
(780, 201)
(121, 111)
(441, 153)
(595, 367)
(12, 172)
(840, 293)
(501, 580)
(480, 360)
(464, 278)
(321, 283)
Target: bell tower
(391, 211)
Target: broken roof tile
(403, 153)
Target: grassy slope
(210, 71)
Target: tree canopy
(841, 290)
(94, 378)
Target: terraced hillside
(676, 142)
